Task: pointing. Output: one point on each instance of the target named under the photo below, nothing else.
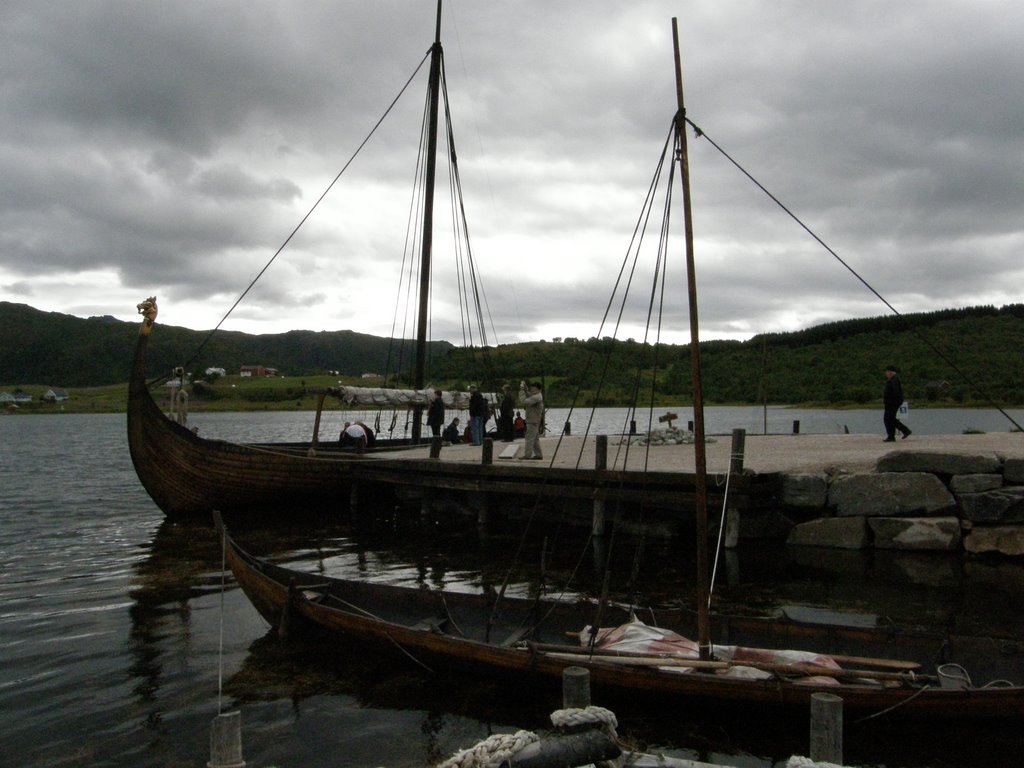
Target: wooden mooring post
(575, 688)
(353, 497)
(226, 741)
(597, 524)
(826, 728)
(487, 451)
(732, 514)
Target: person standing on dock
(532, 400)
(506, 409)
(892, 399)
(435, 414)
(477, 415)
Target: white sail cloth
(398, 398)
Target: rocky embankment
(914, 500)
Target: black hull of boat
(464, 632)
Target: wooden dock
(579, 475)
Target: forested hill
(979, 355)
(65, 351)
(952, 356)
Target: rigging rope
(472, 298)
(309, 213)
(220, 641)
(700, 133)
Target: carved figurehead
(148, 310)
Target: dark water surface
(116, 635)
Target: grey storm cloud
(171, 148)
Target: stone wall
(914, 500)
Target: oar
(865, 661)
(644, 661)
(802, 670)
(869, 661)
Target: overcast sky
(170, 147)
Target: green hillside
(952, 357)
(61, 350)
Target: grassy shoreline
(234, 393)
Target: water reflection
(939, 592)
(182, 564)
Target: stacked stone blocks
(915, 500)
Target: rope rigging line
(700, 133)
(472, 301)
(409, 272)
(625, 279)
(632, 250)
(309, 213)
(473, 297)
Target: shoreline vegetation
(964, 358)
(247, 394)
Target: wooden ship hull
(189, 475)
(526, 640)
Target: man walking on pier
(892, 399)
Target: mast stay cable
(700, 133)
(309, 213)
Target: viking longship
(187, 474)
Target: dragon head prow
(148, 310)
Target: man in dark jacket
(477, 415)
(892, 399)
(435, 413)
(506, 411)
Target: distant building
(15, 397)
(55, 396)
(259, 371)
(215, 372)
(371, 376)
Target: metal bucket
(954, 676)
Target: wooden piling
(435, 446)
(826, 728)
(575, 688)
(601, 452)
(597, 523)
(353, 496)
(487, 452)
(226, 741)
(731, 536)
(482, 511)
(739, 441)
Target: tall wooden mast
(434, 87)
(700, 453)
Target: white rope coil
(564, 718)
(491, 751)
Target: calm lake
(120, 639)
